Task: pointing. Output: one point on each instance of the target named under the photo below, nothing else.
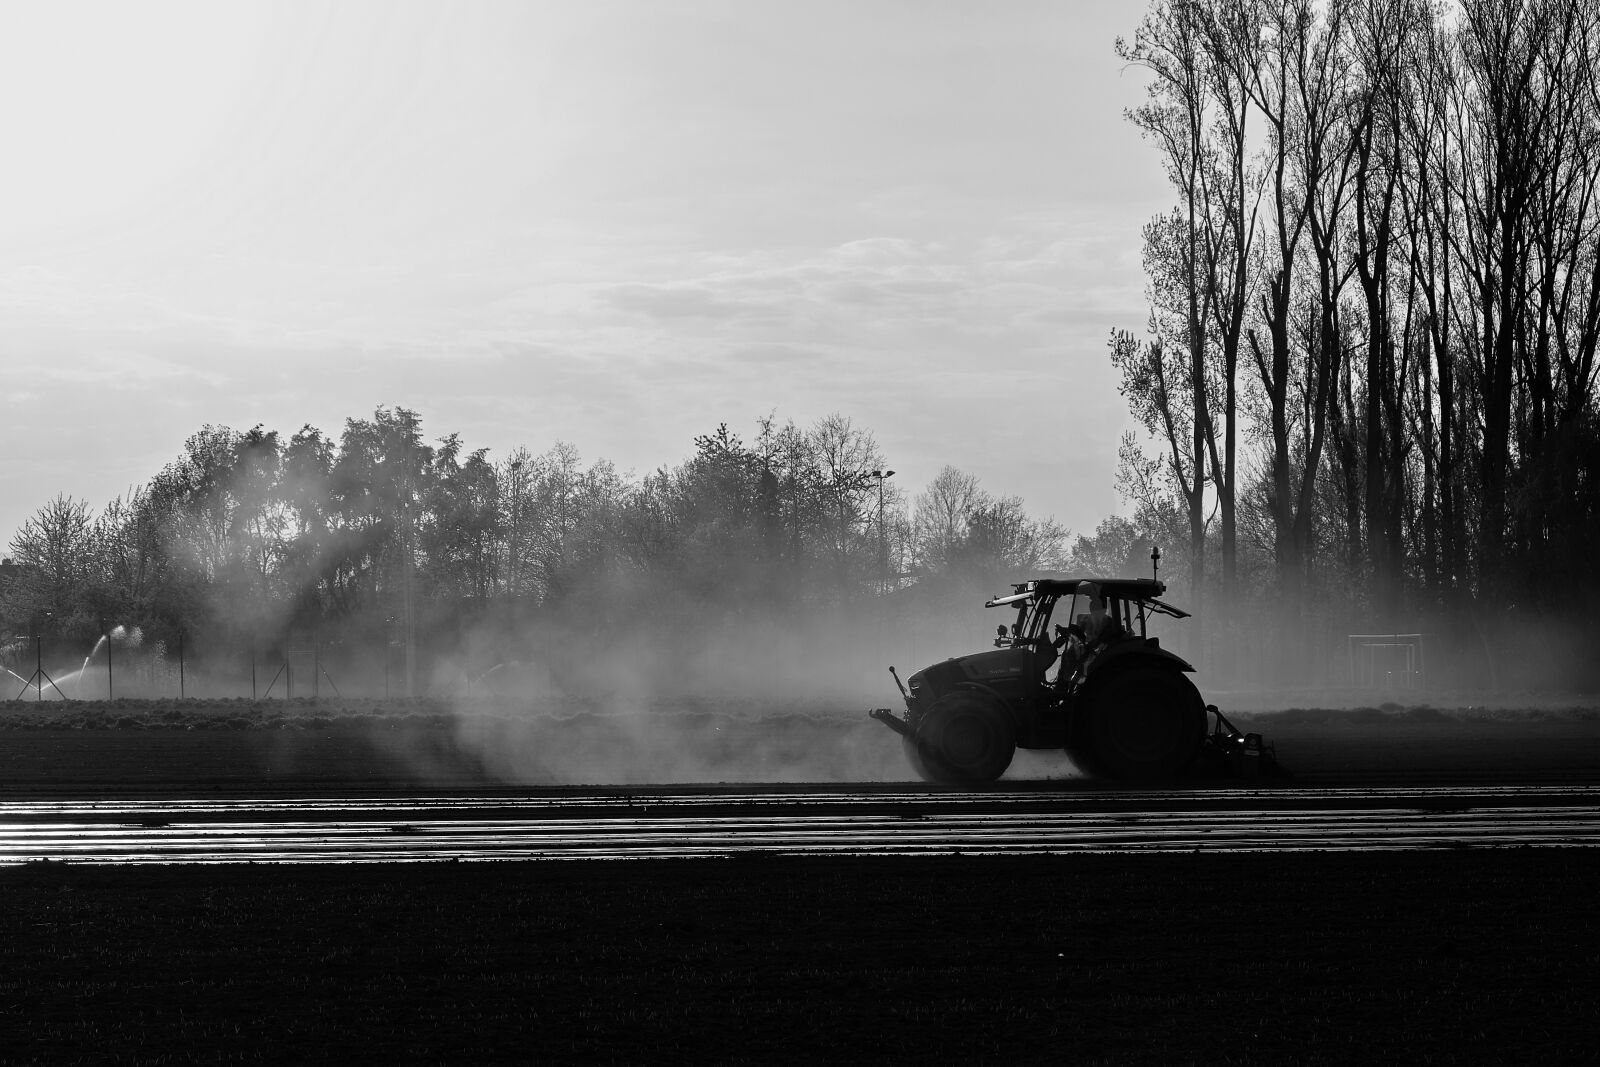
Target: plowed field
(1473, 955)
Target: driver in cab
(1079, 639)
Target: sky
(614, 223)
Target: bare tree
(1301, 88)
(53, 552)
(940, 513)
(1169, 44)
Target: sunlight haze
(613, 224)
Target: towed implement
(1095, 685)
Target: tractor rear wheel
(1144, 724)
(963, 739)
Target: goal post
(1387, 661)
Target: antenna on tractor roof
(1155, 562)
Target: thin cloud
(675, 301)
(778, 355)
(613, 224)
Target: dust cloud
(757, 698)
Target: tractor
(1077, 671)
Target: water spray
(83, 671)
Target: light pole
(408, 560)
(388, 649)
(883, 535)
(516, 508)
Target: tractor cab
(1075, 621)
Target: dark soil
(185, 745)
(1473, 957)
(1469, 956)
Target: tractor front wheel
(963, 740)
(919, 762)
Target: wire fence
(38, 669)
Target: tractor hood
(999, 669)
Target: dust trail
(754, 699)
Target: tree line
(1369, 364)
(253, 539)
(1367, 375)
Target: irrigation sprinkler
(39, 676)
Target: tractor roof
(1138, 589)
(1123, 588)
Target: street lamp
(388, 646)
(883, 535)
(516, 508)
